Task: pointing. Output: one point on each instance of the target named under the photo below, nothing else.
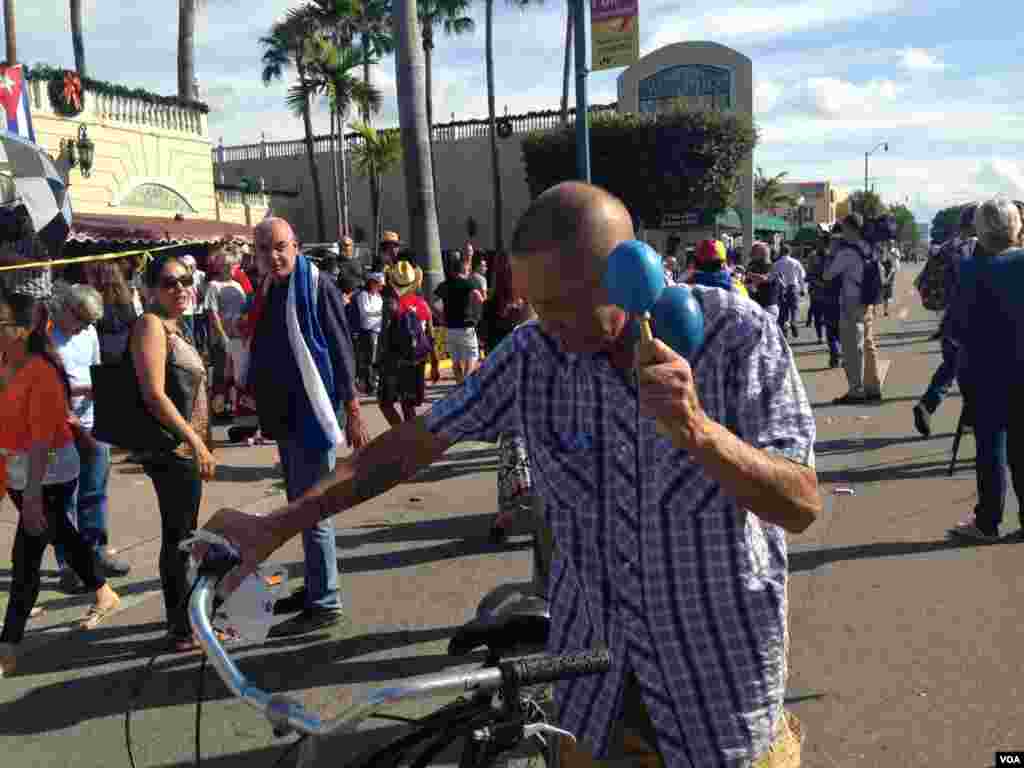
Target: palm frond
(459, 26)
(298, 99)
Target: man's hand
(669, 395)
(355, 429)
(254, 537)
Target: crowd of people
(671, 479)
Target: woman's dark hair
(34, 314)
(156, 266)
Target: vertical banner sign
(614, 33)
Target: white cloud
(920, 60)
(1001, 175)
(832, 97)
(767, 94)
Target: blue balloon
(635, 277)
(679, 320)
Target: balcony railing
(125, 111)
(454, 131)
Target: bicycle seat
(522, 628)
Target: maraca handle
(646, 333)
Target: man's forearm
(775, 489)
(389, 460)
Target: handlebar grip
(547, 669)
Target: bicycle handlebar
(287, 715)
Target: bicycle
(499, 716)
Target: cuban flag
(14, 100)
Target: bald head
(276, 248)
(560, 249)
(578, 222)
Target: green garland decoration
(51, 75)
(61, 105)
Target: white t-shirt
(79, 353)
(371, 310)
(790, 273)
(196, 292)
(227, 299)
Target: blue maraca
(635, 280)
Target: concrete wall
(464, 189)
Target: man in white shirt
(195, 316)
(76, 309)
(856, 321)
(792, 278)
(371, 316)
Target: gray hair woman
(998, 223)
(76, 310)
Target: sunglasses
(170, 283)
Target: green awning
(731, 220)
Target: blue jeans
(999, 436)
(304, 468)
(88, 508)
(943, 377)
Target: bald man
(669, 500)
(307, 448)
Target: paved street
(905, 648)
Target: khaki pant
(860, 353)
(637, 752)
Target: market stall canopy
(146, 230)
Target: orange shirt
(34, 408)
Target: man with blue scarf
(302, 368)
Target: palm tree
(376, 154)
(499, 206)
(9, 31)
(330, 71)
(412, 117)
(77, 40)
(768, 193)
(285, 46)
(187, 10)
(449, 15)
(567, 65)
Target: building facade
(150, 160)
(818, 202)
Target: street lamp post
(884, 146)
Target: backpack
(871, 279)
(411, 344)
(931, 283)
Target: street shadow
(70, 601)
(886, 400)
(879, 473)
(275, 666)
(809, 560)
(854, 445)
(227, 473)
(459, 465)
(818, 370)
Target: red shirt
(239, 276)
(416, 303)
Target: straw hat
(404, 277)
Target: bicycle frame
(286, 715)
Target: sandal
(189, 643)
(98, 614)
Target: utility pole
(582, 107)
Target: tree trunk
(10, 32)
(365, 42)
(567, 66)
(412, 119)
(428, 62)
(375, 205)
(339, 229)
(307, 121)
(346, 229)
(186, 48)
(77, 40)
(495, 167)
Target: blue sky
(940, 82)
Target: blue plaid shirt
(682, 585)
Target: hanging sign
(614, 33)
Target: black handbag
(121, 417)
